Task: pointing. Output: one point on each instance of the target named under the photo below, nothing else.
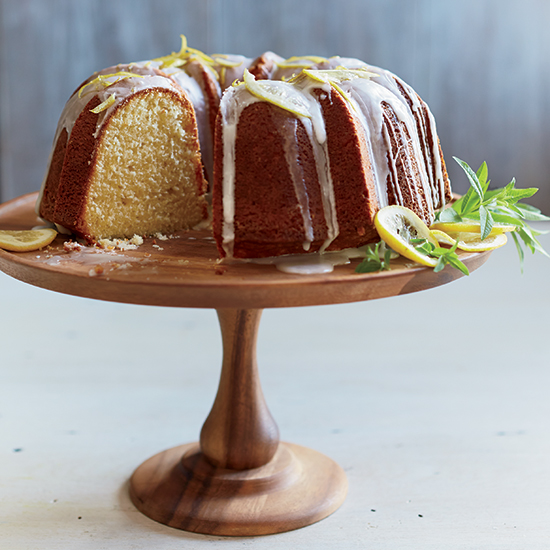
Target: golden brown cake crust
(208, 85)
(49, 193)
(80, 161)
(263, 67)
(352, 174)
(268, 221)
(75, 176)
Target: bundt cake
(295, 155)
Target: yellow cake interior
(145, 177)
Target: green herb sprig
(444, 255)
(373, 261)
(497, 206)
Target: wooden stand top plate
(184, 272)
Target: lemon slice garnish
(335, 77)
(100, 81)
(471, 227)
(279, 93)
(25, 241)
(443, 238)
(338, 75)
(221, 59)
(398, 226)
(471, 242)
(301, 61)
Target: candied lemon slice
(24, 241)
(222, 59)
(398, 226)
(105, 105)
(335, 77)
(443, 238)
(471, 242)
(471, 227)
(338, 75)
(301, 61)
(279, 93)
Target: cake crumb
(95, 271)
(72, 246)
(161, 237)
(121, 244)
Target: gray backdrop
(480, 64)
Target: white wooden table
(436, 405)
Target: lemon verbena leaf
(531, 213)
(444, 255)
(373, 261)
(368, 266)
(449, 215)
(482, 175)
(456, 263)
(529, 237)
(486, 221)
(467, 203)
(502, 206)
(521, 254)
(472, 176)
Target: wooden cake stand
(239, 479)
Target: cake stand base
(180, 488)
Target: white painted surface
(435, 404)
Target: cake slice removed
(126, 159)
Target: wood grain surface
(240, 480)
(179, 488)
(239, 433)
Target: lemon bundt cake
(299, 153)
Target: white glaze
(228, 75)
(121, 88)
(233, 103)
(310, 264)
(434, 188)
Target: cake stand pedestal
(239, 479)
